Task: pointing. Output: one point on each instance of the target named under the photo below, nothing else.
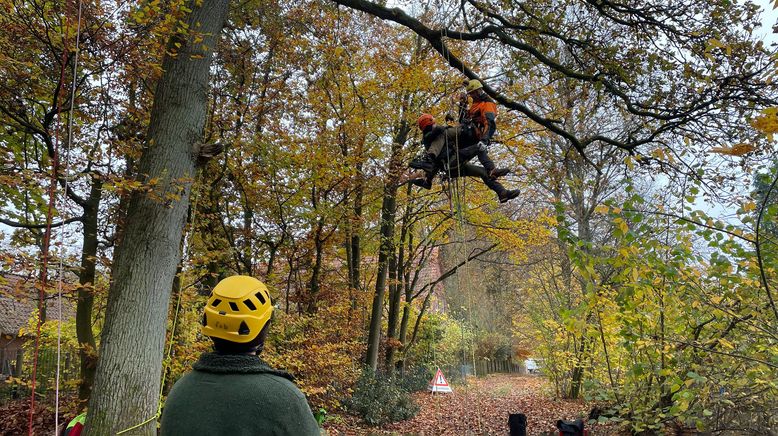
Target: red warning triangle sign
(439, 383)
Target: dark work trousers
(470, 170)
(468, 149)
(461, 160)
(467, 153)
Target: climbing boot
(508, 194)
(424, 183)
(425, 163)
(499, 172)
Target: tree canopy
(152, 149)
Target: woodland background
(639, 262)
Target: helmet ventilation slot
(261, 297)
(244, 328)
(233, 306)
(216, 302)
(250, 304)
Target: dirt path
(481, 408)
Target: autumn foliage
(638, 266)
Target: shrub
(415, 378)
(378, 400)
(322, 351)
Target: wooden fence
(506, 366)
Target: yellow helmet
(473, 85)
(237, 310)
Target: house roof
(18, 299)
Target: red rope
(49, 218)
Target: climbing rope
(52, 192)
(60, 273)
(457, 194)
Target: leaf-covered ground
(481, 407)
(15, 417)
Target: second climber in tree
(480, 119)
(443, 152)
(452, 143)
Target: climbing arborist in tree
(458, 144)
(440, 143)
(231, 390)
(480, 119)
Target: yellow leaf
(736, 150)
(621, 224)
(726, 344)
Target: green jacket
(236, 395)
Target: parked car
(532, 365)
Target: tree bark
(354, 244)
(388, 212)
(86, 341)
(394, 309)
(313, 284)
(388, 209)
(396, 288)
(126, 390)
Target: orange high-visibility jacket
(479, 115)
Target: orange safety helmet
(424, 121)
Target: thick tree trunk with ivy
(126, 390)
(86, 279)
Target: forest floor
(480, 408)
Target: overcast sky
(768, 20)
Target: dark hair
(256, 345)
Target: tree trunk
(388, 212)
(396, 288)
(388, 209)
(126, 390)
(86, 278)
(408, 286)
(354, 245)
(247, 255)
(314, 285)
(394, 310)
(579, 370)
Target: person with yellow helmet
(232, 390)
(481, 116)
